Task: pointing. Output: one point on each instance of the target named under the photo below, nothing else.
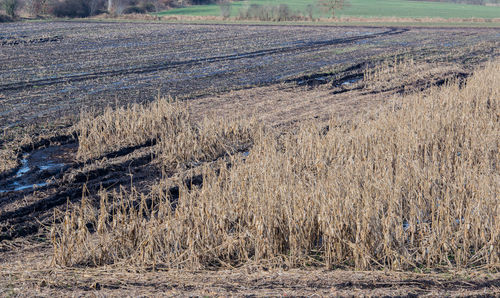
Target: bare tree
(94, 6)
(331, 6)
(11, 7)
(117, 6)
(120, 6)
(167, 3)
(225, 8)
(157, 5)
(310, 11)
(35, 7)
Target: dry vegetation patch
(32, 277)
(128, 126)
(403, 73)
(416, 186)
(8, 160)
(163, 123)
(301, 19)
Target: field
(143, 158)
(150, 59)
(361, 8)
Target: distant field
(361, 8)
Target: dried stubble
(418, 186)
(407, 73)
(8, 160)
(165, 123)
(127, 126)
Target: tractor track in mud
(29, 219)
(152, 67)
(25, 220)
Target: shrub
(97, 6)
(284, 12)
(202, 2)
(34, 7)
(5, 19)
(134, 9)
(225, 9)
(11, 7)
(278, 13)
(72, 8)
(148, 7)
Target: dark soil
(55, 69)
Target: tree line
(85, 8)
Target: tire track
(152, 67)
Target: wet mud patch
(339, 84)
(50, 177)
(39, 167)
(349, 81)
(342, 78)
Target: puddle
(406, 224)
(38, 167)
(313, 81)
(24, 167)
(23, 187)
(362, 42)
(51, 166)
(350, 81)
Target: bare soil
(54, 69)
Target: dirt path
(34, 276)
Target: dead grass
(127, 126)
(403, 69)
(207, 140)
(166, 124)
(188, 18)
(148, 17)
(8, 160)
(407, 74)
(416, 186)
